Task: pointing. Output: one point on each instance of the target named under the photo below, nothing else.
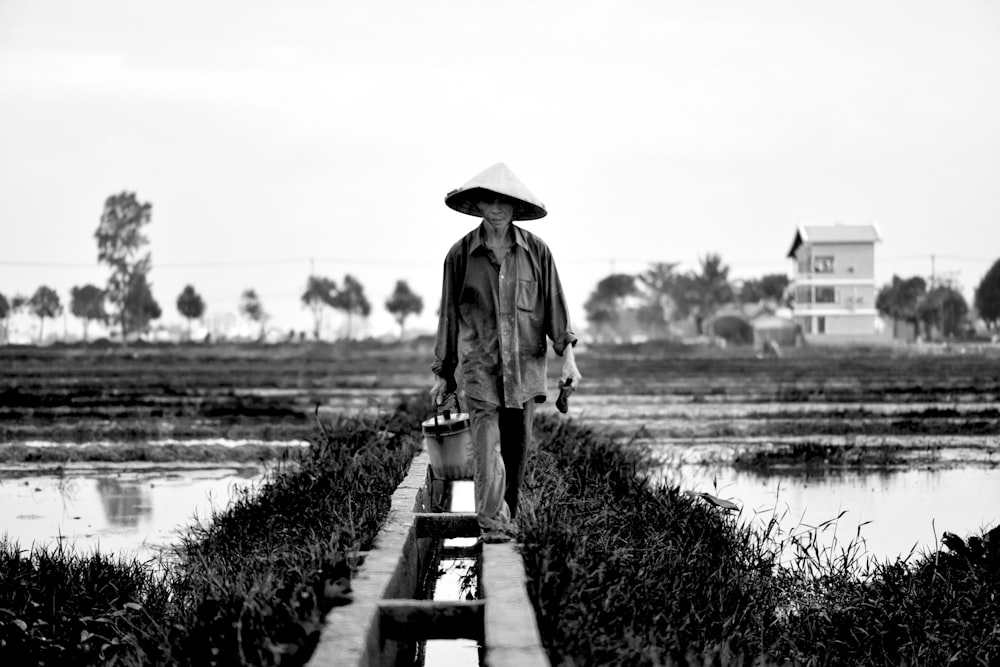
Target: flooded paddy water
(136, 511)
(903, 472)
(894, 511)
(939, 431)
(131, 510)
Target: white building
(833, 280)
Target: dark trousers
(501, 441)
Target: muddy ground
(682, 398)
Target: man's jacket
(495, 319)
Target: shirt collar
(477, 238)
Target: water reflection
(130, 512)
(894, 511)
(124, 503)
(453, 584)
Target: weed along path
(626, 572)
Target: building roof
(835, 233)
(744, 311)
(769, 322)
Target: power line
(229, 263)
(924, 257)
(964, 258)
(217, 263)
(226, 264)
(46, 265)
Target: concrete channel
(390, 616)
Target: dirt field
(873, 406)
(682, 399)
(83, 394)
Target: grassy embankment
(625, 573)
(249, 587)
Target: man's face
(498, 211)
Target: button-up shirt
(495, 318)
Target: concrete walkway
(386, 617)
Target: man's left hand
(569, 369)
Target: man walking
(500, 302)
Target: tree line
(939, 308)
(620, 305)
(126, 302)
(647, 303)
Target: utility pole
(932, 270)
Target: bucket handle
(451, 398)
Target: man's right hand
(439, 390)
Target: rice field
(814, 410)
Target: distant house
(833, 281)
(781, 330)
(753, 323)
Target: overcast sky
(272, 137)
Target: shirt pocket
(527, 295)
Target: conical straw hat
(498, 179)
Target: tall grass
(63, 607)
(248, 586)
(625, 572)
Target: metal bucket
(448, 439)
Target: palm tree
(709, 288)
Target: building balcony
(830, 309)
(832, 279)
